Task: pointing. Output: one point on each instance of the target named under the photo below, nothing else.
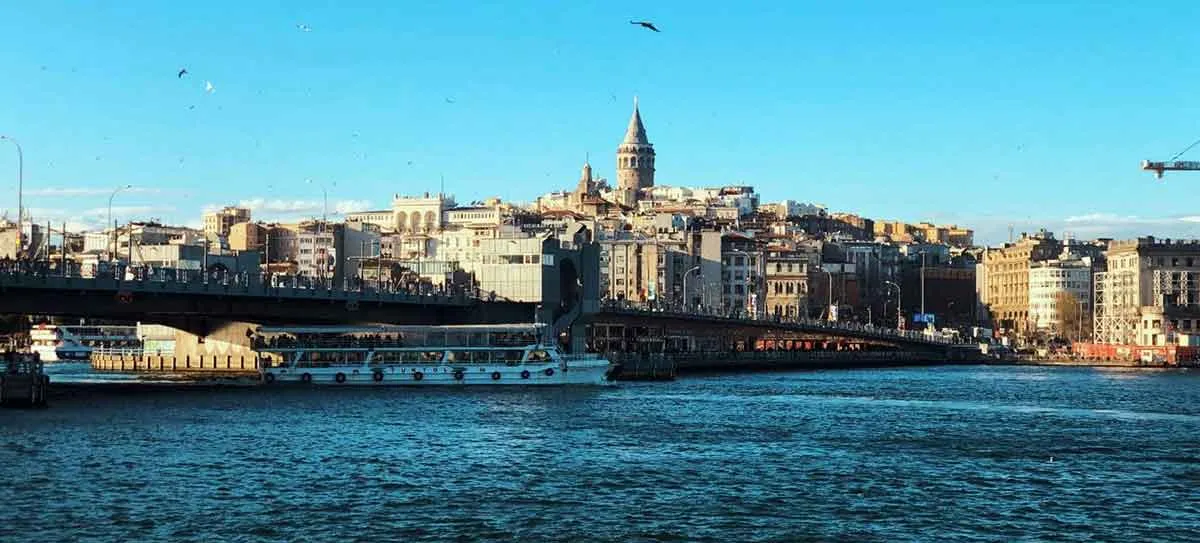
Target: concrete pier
(22, 381)
(227, 364)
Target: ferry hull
(445, 375)
(51, 354)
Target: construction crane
(1159, 167)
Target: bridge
(213, 318)
(172, 301)
(778, 328)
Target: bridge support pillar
(214, 338)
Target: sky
(1030, 114)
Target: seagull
(449, 100)
(182, 72)
(304, 28)
(208, 87)
(645, 24)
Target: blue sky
(1030, 113)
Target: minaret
(585, 179)
(635, 160)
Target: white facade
(511, 268)
(464, 244)
(384, 219)
(474, 216)
(97, 242)
(1050, 279)
(420, 214)
(792, 208)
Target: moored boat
(75, 343)
(423, 355)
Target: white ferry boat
(68, 343)
(422, 356)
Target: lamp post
(686, 304)
(923, 318)
(113, 237)
(828, 292)
(20, 181)
(899, 318)
(324, 205)
(751, 272)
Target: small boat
(423, 356)
(70, 343)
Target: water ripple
(963, 454)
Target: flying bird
(449, 100)
(182, 72)
(208, 87)
(304, 28)
(645, 24)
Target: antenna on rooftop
(1010, 232)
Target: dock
(23, 382)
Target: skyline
(914, 113)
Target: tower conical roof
(636, 133)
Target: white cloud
(1113, 219)
(88, 191)
(127, 211)
(994, 230)
(299, 207)
(280, 206)
(351, 206)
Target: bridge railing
(117, 351)
(860, 329)
(171, 280)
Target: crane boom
(1159, 167)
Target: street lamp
(20, 180)
(324, 205)
(685, 290)
(899, 319)
(752, 273)
(828, 292)
(113, 237)
(923, 288)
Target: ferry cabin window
(538, 356)
(457, 339)
(470, 356)
(509, 355)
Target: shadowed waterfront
(927, 453)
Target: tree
(1074, 319)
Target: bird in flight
(208, 87)
(182, 72)
(304, 28)
(449, 100)
(645, 24)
